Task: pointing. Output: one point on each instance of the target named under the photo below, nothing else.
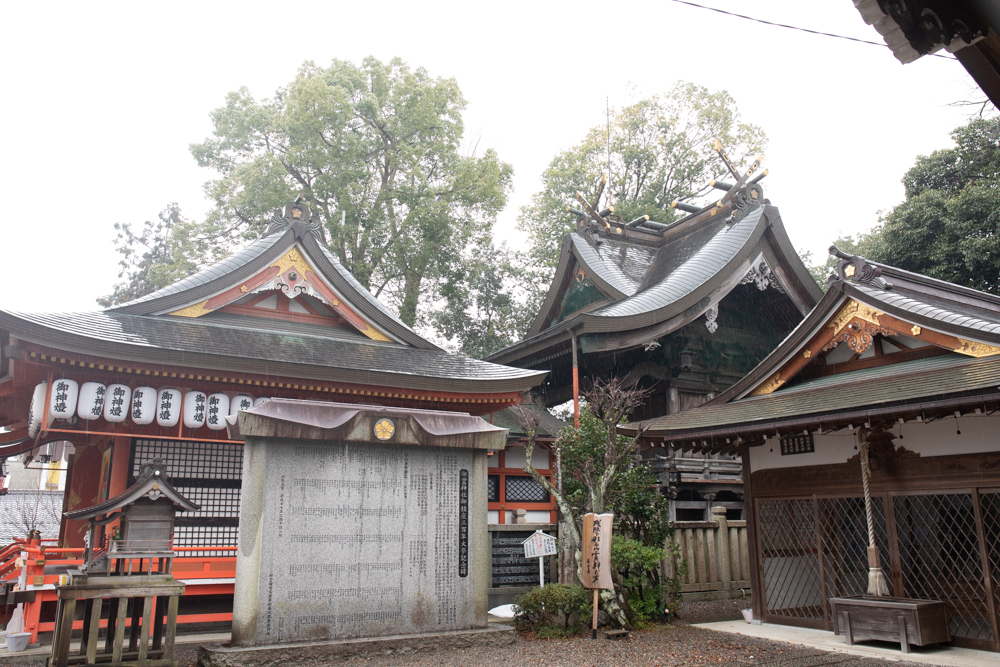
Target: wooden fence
(716, 556)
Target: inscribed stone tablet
(364, 540)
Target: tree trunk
(567, 552)
(411, 296)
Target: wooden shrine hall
(156, 378)
(911, 365)
(686, 309)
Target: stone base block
(316, 654)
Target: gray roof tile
(250, 343)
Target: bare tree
(610, 401)
(24, 511)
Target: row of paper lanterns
(70, 400)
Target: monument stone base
(316, 654)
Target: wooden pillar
(109, 640)
(147, 617)
(576, 386)
(133, 637)
(756, 569)
(65, 631)
(88, 607)
(158, 613)
(119, 465)
(168, 642)
(120, 620)
(90, 632)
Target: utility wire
(792, 27)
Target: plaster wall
(341, 540)
(514, 458)
(980, 433)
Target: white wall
(514, 457)
(980, 433)
(531, 516)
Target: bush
(638, 566)
(551, 606)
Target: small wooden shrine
(132, 569)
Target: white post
(541, 571)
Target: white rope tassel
(878, 584)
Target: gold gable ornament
(769, 387)
(976, 349)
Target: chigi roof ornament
(296, 217)
(856, 269)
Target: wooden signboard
(596, 553)
(597, 550)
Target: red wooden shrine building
(156, 377)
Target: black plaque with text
(463, 523)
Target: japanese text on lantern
(213, 409)
(117, 401)
(597, 550)
(62, 393)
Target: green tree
(481, 307)
(375, 149)
(163, 252)
(600, 474)
(661, 150)
(948, 227)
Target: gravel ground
(666, 646)
(710, 612)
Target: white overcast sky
(101, 101)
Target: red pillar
(576, 386)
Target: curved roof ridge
(209, 273)
(694, 272)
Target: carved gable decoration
(293, 275)
(858, 324)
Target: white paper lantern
(117, 403)
(218, 410)
(241, 402)
(143, 406)
(258, 401)
(91, 403)
(168, 407)
(35, 410)
(62, 403)
(195, 403)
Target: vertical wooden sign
(596, 553)
(596, 550)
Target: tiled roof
(933, 308)
(223, 344)
(693, 263)
(217, 270)
(891, 383)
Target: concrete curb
(316, 654)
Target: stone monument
(362, 530)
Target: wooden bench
(616, 634)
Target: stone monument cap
(321, 420)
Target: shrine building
(912, 364)
(111, 391)
(684, 309)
